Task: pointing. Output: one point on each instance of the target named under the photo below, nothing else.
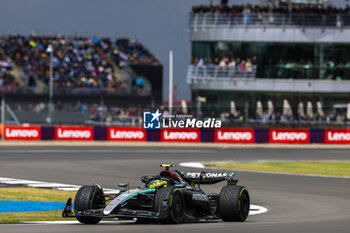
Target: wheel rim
(177, 207)
(245, 205)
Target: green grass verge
(33, 194)
(303, 167)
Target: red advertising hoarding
(180, 135)
(233, 135)
(22, 133)
(339, 136)
(126, 134)
(289, 136)
(84, 133)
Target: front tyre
(233, 203)
(88, 197)
(169, 203)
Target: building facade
(270, 57)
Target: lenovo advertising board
(339, 136)
(289, 136)
(83, 133)
(234, 135)
(22, 133)
(126, 134)
(180, 134)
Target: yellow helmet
(156, 184)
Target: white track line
(27, 182)
(256, 209)
(48, 185)
(192, 164)
(67, 189)
(6, 179)
(52, 185)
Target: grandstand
(284, 64)
(78, 62)
(6, 69)
(99, 76)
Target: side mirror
(123, 185)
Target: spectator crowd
(298, 14)
(330, 116)
(282, 8)
(118, 115)
(225, 61)
(77, 61)
(291, 68)
(6, 78)
(239, 66)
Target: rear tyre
(88, 197)
(169, 203)
(233, 203)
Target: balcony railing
(287, 71)
(220, 72)
(202, 21)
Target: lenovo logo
(337, 136)
(234, 135)
(180, 135)
(66, 133)
(289, 135)
(127, 133)
(73, 133)
(22, 132)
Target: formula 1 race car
(170, 197)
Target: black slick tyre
(88, 197)
(233, 203)
(169, 203)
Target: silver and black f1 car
(170, 197)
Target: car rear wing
(208, 177)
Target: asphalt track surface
(295, 203)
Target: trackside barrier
(47, 133)
(22, 133)
(153, 135)
(339, 136)
(206, 135)
(126, 134)
(261, 135)
(222, 135)
(232, 135)
(180, 135)
(317, 136)
(100, 133)
(289, 136)
(81, 133)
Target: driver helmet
(156, 184)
